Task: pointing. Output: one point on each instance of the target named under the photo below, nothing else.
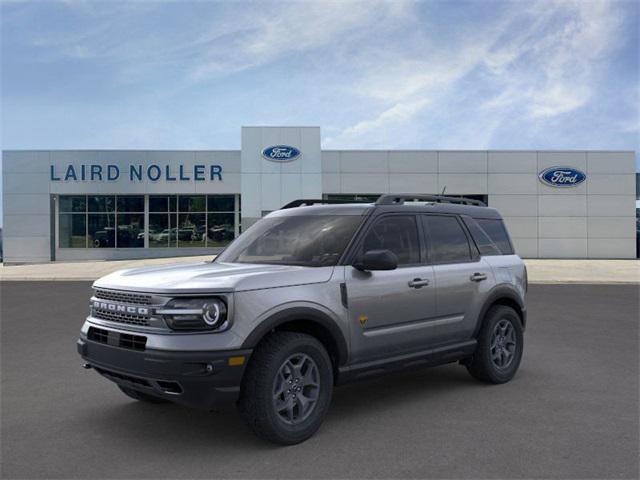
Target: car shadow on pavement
(192, 430)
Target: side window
(398, 233)
(448, 242)
(496, 231)
(484, 243)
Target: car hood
(212, 277)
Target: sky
(372, 74)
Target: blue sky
(372, 74)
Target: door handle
(478, 277)
(418, 283)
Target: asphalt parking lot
(571, 412)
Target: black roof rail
(399, 199)
(312, 201)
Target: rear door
(389, 310)
(462, 277)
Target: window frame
(474, 254)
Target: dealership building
(69, 205)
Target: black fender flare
(306, 314)
(498, 293)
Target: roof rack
(387, 199)
(399, 199)
(312, 201)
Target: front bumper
(201, 380)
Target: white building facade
(120, 204)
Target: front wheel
(500, 344)
(287, 388)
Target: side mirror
(377, 260)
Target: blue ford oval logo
(281, 153)
(562, 177)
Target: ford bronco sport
(311, 296)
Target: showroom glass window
(221, 219)
(162, 221)
(118, 221)
(101, 221)
(192, 211)
(192, 221)
(353, 197)
(72, 221)
(130, 221)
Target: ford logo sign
(562, 177)
(281, 153)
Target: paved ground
(540, 271)
(571, 412)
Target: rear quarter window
(497, 232)
(481, 238)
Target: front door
(389, 310)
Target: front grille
(128, 318)
(133, 342)
(98, 335)
(116, 339)
(124, 297)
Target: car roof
(367, 208)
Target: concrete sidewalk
(540, 271)
(583, 271)
(61, 271)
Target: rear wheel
(141, 396)
(500, 344)
(287, 388)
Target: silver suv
(311, 296)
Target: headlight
(195, 314)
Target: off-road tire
(481, 365)
(141, 396)
(256, 402)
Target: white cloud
(540, 60)
(232, 37)
(400, 112)
(630, 127)
(566, 58)
(558, 98)
(406, 87)
(373, 73)
(261, 37)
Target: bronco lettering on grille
(115, 307)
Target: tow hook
(86, 366)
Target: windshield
(310, 241)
